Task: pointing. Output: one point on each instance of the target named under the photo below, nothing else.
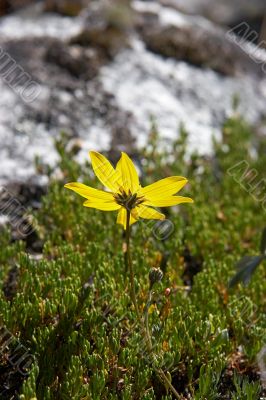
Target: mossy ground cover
(71, 309)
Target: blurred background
(104, 72)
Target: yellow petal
(89, 192)
(105, 172)
(164, 188)
(129, 176)
(102, 205)
(146, 212)
(168, 201)
(122, 218)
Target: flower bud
(155, 275)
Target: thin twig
(129, 267)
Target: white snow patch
(32, 22)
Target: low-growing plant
(70, 307)
(132, 203)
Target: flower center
(128, 200)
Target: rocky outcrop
(107, 40)
(4, 7)
(104, 74)
(7, 6)
(66, 7)
(81, 62)
(194, 40)
(71, 99)
(226, 12)
(106, 27)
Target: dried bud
(155, 275)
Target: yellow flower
(126, 193)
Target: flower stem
(129, 267)
(146, 319)
(143, 324)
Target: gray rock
(66, 7)
(7, 6)
(107, 26)
(194, 40)
(71, 99)
(102, 93)
(226, 12)
(81, 62)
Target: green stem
(129, 267)
(168, 383)
(144, 325)
(146, 319)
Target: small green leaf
(221, 338)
